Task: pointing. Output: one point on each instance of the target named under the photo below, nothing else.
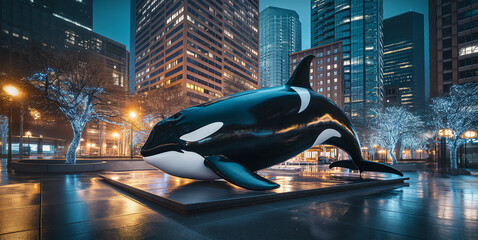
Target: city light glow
(11, 90)
(445, 132)
(132, 114)
(469, 134)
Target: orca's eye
(176, 116)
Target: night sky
(111, 18)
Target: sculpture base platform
(192, 196)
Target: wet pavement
(81, 206)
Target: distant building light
(71, 21)
(467, 50)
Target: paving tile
(19, 219)
(22, 235)
(276, 224)
(86, 210)
(391, 220)
(133, 226)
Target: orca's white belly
(186, 165)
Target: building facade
(326, 70)
(279, 36)
(358, 24)
(202, 47)
(453, 44)
(59, 25)
(404, 61)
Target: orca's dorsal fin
(300, 77)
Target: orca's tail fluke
(365, 165)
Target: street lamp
(132, 116)
(445, 132)
(469, 134)
(82, 151)
(116, 135)
(29, 134)
(13, 92)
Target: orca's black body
(235, 136)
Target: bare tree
(236, 84)
(457, 111)
(392, 125)
(156, 105)
(162, 102)
(80, 86)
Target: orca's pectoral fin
(365, 165)
(237, 174)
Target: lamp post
(13, 92)
(82, 151)
(132, 116)
(29, 134)
(443, 133)
(468, 134)
(116, 135)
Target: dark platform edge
(56, 166)
(248, 200)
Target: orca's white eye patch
(202, 132)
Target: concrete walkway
(81, 206)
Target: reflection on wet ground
(80, 206)
(187, 196)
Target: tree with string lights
(456, 112)
(80, 86)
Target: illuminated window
(468, 50)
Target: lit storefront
(311, 155)
(37, 145)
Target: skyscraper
(326, 70)
(403, 56)
(279, 36)
(358, 24)
(201, 47)
(453, 44)
(56, 24)
(60, 25)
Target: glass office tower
(279, 36)
(404, 61)
(358, 24)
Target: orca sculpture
(235, 136)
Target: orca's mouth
(160, 149)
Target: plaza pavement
(81, 206)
